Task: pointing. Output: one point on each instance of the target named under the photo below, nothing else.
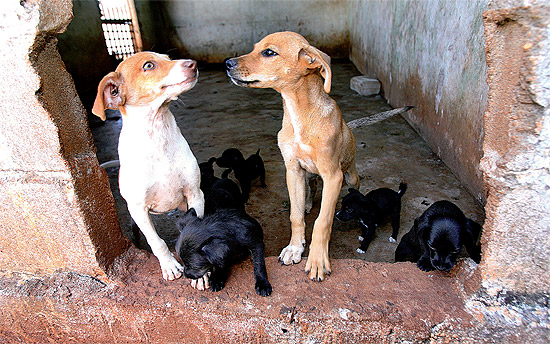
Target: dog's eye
(268, 53)
(148, 65)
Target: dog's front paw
(318, 264)
(291, 255)
(263, 288)
(360, 238)
(359, 250)
(425, 264)
(171, 269)
(217, 285)
(391, 239)
(201, 283)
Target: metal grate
(118, 28)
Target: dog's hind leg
(295, 179)
(351, 176)
(311, 189)
(171, 269)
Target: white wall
(213, 30)
(430, 54)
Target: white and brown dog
(314, 139)
(158, 171)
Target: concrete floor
(217, 115)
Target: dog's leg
(318, 263)
(262, 287)
(395, 220)
(262, 177)
(367, 234)
(295, 180)
(311, 189)
(171, 269)
(351, 176)
(246, 185)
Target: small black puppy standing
(371, 210)
(207, 174)
(245, 170)
(437, 237)
(217, 242)
(218, 193)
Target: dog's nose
(230, 63)
(190, 64)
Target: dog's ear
(216, 252)
(353, 191)
(109, 94)
(191, 212)
(211, 161)
(315, 58)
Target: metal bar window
(119, 27)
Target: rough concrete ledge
(360, 302)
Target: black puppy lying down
(437, 237)
(372, 210)
(217, 242)
(245, 170)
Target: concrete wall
(56, 208)
(430, 54)
(516, 160)
(213, 30)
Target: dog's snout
(230, 63)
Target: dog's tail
(360, 122)
(110, 163)
(402, 189)
(258, 152)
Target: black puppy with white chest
(245, 170)
(217, 242)
(372, 210)
(437, 237)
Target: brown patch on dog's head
(279, 61)
(142, 79)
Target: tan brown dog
(314, 138)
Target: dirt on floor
(217, 115)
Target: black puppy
(218, 193)
(437, 237)
(371, 210)
(207, 174)
(217, 242)
(245, 170)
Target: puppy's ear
(109, 94)
(469, 238)
(216, 252)
(353, 191)
(315, 58)
(191, 212)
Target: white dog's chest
(155, 165)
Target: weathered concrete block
(57, 211)
(365, 86)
